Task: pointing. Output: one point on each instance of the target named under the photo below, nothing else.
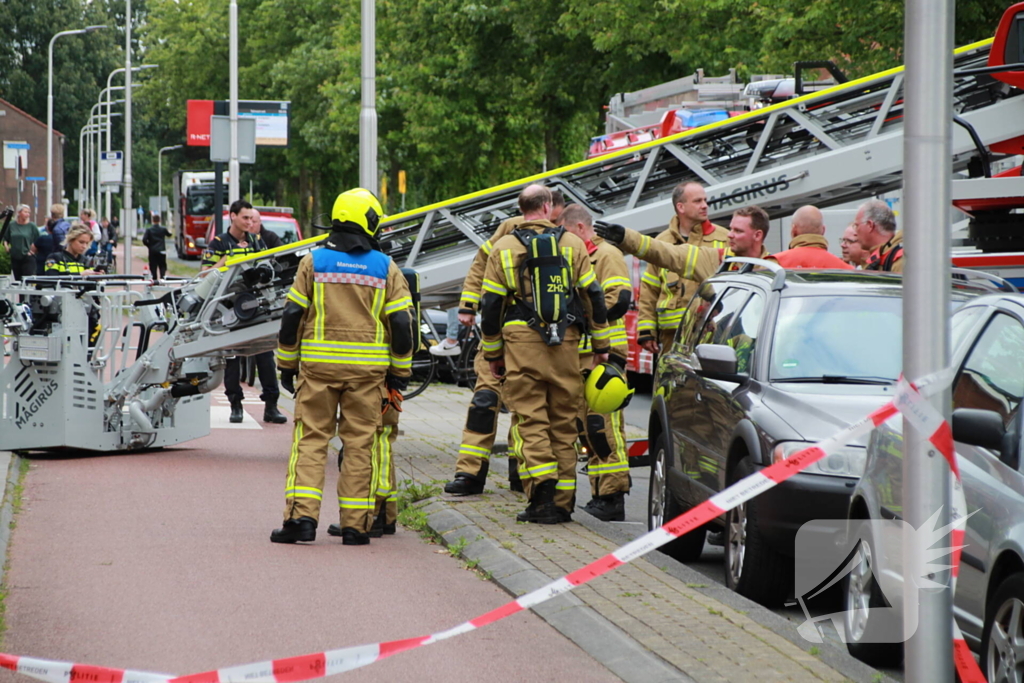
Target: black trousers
(158, 264)
(24, 268)
(266, 368)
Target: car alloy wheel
(736, 539)
(656, 502)
(1003, 644)
(858, 594)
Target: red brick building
(23, 137)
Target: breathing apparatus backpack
(546, 291)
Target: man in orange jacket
(808, 247)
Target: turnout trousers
(481, 423)
(317, 401)
(605, 439)
(543, 389)
(383, 453)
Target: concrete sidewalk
(639, 620)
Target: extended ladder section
(833, 146)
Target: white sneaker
(445, 349)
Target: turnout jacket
(686, 261)
(664, 294)
(348, 316)
(471, 286)
(889, 256)
(613, 278)
(502, 316)
(63, 263)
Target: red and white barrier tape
(307, 667)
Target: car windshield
(838, 338)
(283, 229)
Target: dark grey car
(766, 363)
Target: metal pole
(234, 175)
(49, 108)
(368, 112)
(109, 200)
(81, 166)
(927, 174)
(129, 214)
(160, 176)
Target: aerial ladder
(827, 148)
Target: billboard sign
(111, 168)
(271, 119)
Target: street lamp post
(160, 177)
(49, 108)
(128, 211)
(110, 77)
(234, 171)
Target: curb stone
(566, 613)
(11, 465)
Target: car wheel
(661, 508)
(752, 567)
(870, 637)
(1002, 643)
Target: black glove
(613, 232)
(288, 380)
(617, 361)
(397, 383)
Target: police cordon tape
(909, 400)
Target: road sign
(401, 182)
(111, 168)
(220, 139)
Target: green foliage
(469, 94)
(5, 262)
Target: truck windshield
(200, 203)
(836, 337)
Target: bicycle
(426, 366)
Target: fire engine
(194, 207)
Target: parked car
(988, 352)
(765, 363)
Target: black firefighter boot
(271, 413)
(541, 509)
(294, 530)
(237, 414)
(610, 508)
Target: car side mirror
(978, 428)
(718, 361)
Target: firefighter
(663, 293)
(345, 341)
(875, 226)
(482, 417)
(531, 331)
(604, 435)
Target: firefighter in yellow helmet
(345, 341)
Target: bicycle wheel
(466, 376)
(424, 366)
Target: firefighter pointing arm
(690, 262)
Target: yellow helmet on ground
(360, 207)
(607, 390)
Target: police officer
(346, 334)
(663, 293)
(542, 384)
(71, 259)
(604, 434)
(482, 417)
(238, 240)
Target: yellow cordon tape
(909, 400)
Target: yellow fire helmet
(607, 390)
(360, 207)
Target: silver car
(988, 343)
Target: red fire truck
(193, 212)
